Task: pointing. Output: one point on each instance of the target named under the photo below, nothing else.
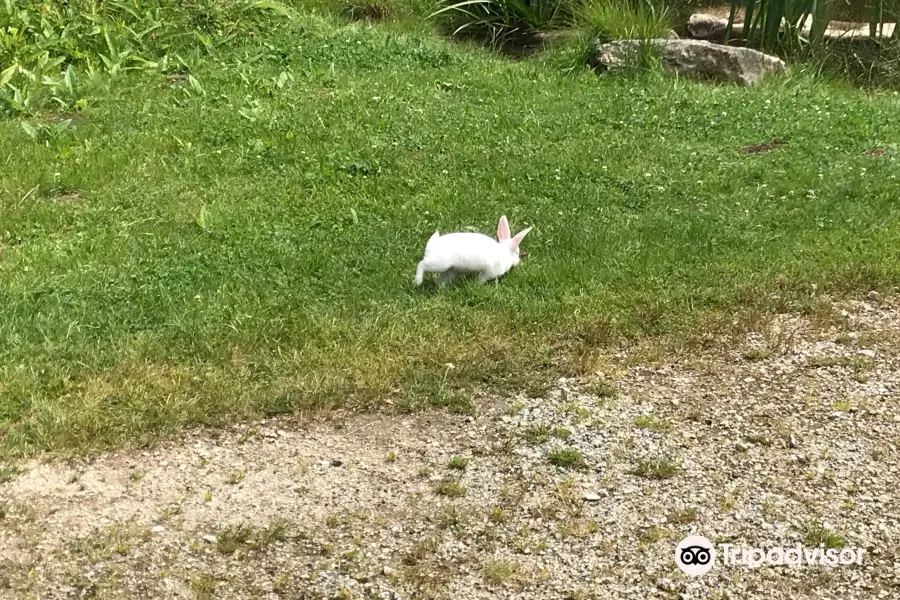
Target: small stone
(157, 529)
(867, 352)
(389, 572)
(873, 296)
(335, 462)
(210, 538)
(591, 497)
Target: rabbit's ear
(503, 229)
(519, 237)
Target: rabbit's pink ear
(503, 229)
(519, 237)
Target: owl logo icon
(695, 555)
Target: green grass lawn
(180, 257)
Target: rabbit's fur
(455, 254)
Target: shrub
(503, 19)
(607, 20)
(779, 24)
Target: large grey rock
(695, 58)
(701, 26)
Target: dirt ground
(580, 490)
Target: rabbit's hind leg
(420, 273)
(486, 276)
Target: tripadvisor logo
(695, 555)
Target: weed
(561, 433)
(497, 515)
(655, 534)
(498, 572)
(727, 503)
(282, 583)
(770, 511)
(230, 539)
(451, 489)
(235, 477)
(578, 528)
(110, 541)
(421, 551)
(277, 531)
(655, 469)
(757, 354)
(576, 412)
(652, 423)
(602, 389)
(759, 439)
(566, 458)
(684, 516)
(816, 534)
(8, 473)
(458, 463)
(202, 586)
(449, 518)
(538, 433)
(842, 405)
(844, 339)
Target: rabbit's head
(511, 243)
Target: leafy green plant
(45, 44)
(44, 133)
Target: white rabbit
(458, 253)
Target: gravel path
(778, 439)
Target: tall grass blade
(749, 32)
(773, 16)
(732, 13)
(819, 24)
